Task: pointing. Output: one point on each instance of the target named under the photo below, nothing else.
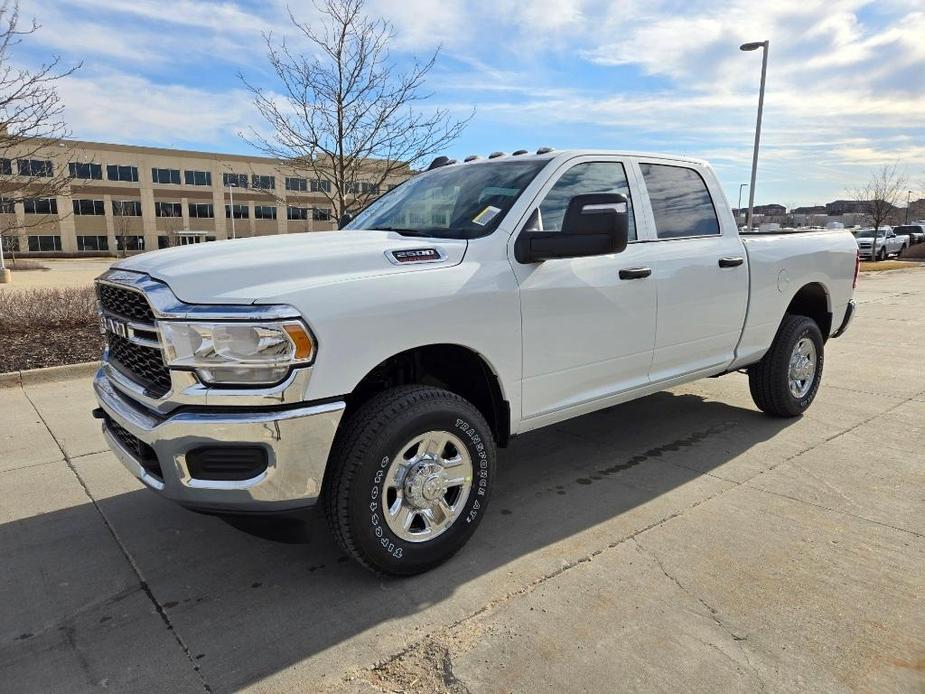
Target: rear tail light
(857, 269)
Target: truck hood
(248, 270)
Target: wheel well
(452, 367)
(813, 301)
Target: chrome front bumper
(297, 442)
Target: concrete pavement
(680, 542)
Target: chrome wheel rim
(426, 486)
(802, 368)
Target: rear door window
(681, 203)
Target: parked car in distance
(885, 244)
(915, 232)
(376, 369)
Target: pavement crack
(712, 612)
(143, 583)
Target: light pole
(755, 45)
(231, 207)
(739, 208)
(908, 198)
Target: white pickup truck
(375, 369)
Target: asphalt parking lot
(683, 542)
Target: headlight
(237, 352)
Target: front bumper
(297, 443)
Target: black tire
(882, 254)
(355, 482)
(768, 380)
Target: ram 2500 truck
(376, 369)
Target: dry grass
(48, 327)
(38, 310)
(21, 265)
(867, 266)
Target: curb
(49, 374)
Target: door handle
(731, 262)
(635, 273)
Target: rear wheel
(882, 254)
(409, 479)
(785, 382)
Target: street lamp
(231, 187)
(754, 46)
(908, 198)
(739, 208)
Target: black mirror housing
(594, 224)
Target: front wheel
(786, 380)
(882, 254)
(409, 479)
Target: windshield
(869, 234)
(460, 202)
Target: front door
(587, 333)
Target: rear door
(701, 270)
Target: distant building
(124, 198)
(811, 209)
(771, 210)
(840, 207)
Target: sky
(845, 87)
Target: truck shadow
(250, 604)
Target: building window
(34, 167)
(263, 182)
(163, 241)
(116, 172)
(92, 243)
(7, 206)
(201, 210)
(88, 207)
(40, 205)
(240, 211)
(319, 186)
(10, 244)
(321, 214)
(130, 243)
(41, 244)
(6, 167)
(264, 212)
(167, 209)
(233, 179)
(126, 208)
(85, 171)
(297, 184)
(165, 176)
(296, 212)
(198, 178)
(362, 187)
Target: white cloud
(122, 108)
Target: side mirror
(594, 224)
(345, 219)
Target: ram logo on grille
(116, 327)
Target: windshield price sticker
(486, 215)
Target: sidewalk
(681, 542)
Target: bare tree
(879, 197)
(348, 115)
(31, 128)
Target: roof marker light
(544, 150)
(519, 152)
(495, 155)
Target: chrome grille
(145, 365)
(134, 352)
(125, 303)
